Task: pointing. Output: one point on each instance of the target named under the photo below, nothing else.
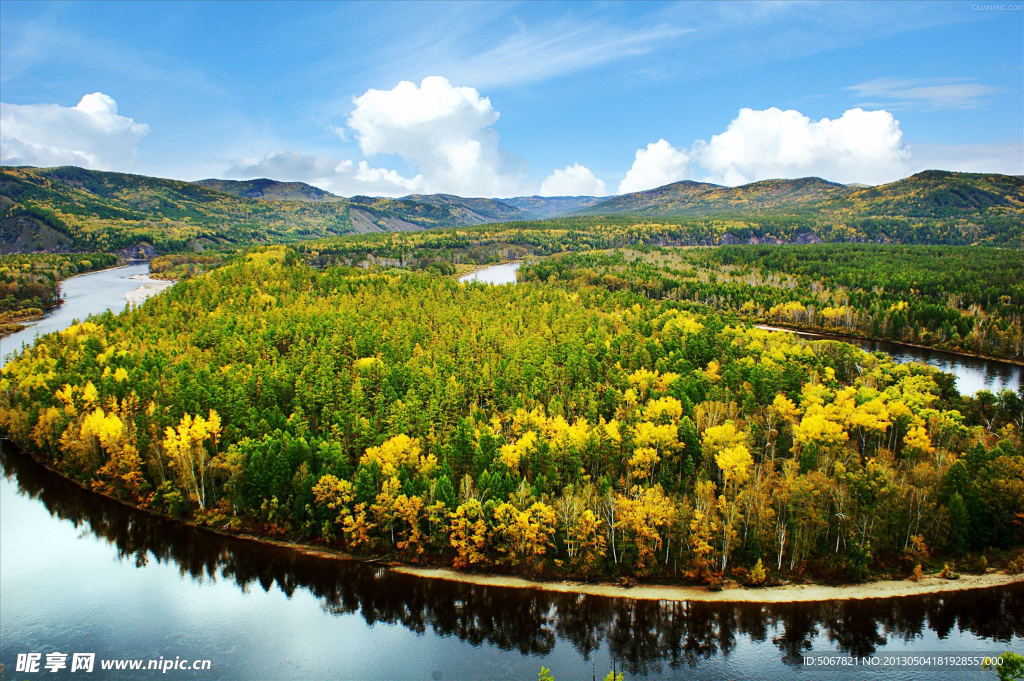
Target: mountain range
(69, 208)
(931, 193)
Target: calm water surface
(498, 274)
(81, 573)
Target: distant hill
(269, 190)
(69, 208)
(541, 207)
(932, 194)
(940, 194)
(928, 207)
(470, 211)
(73, 209)
(701, 198)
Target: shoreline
(24, 323)
(825, 335)
(149, 287)
(29, 321)
(788, 593)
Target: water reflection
(643, 637)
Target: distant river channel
(84, 295)
(972, 373)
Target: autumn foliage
(561, 429)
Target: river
(85, 294)
(972, 373)
(82, 573)
(504, 273)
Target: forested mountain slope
(702, 198)
(541, 207)
(986, 203)
(940, 194)
(71, 209)
(460, 210)
(269, 190)
(68, 208)
(471, 211)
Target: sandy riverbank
(793, 593)
(150, 288)
(790, 593)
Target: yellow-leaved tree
(523, 536)
(191, 449)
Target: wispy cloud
(39, 43)
(507, 51)
(531, 55)
(923, 93)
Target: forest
(566, 426)
(962, 299)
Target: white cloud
(561, 47)
(657, 165)
(90, 134)
(860, 146)
(929, 94)
(286, 166)
(575, 180)
(367, 174)
(442, 130)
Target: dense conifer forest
(579, 423)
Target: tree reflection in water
(643, 636)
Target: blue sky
(519, 97)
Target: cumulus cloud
(442, 130)
(860, 146)
(383, 176)
(90, 134)
(657, 165)
(575, 180)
